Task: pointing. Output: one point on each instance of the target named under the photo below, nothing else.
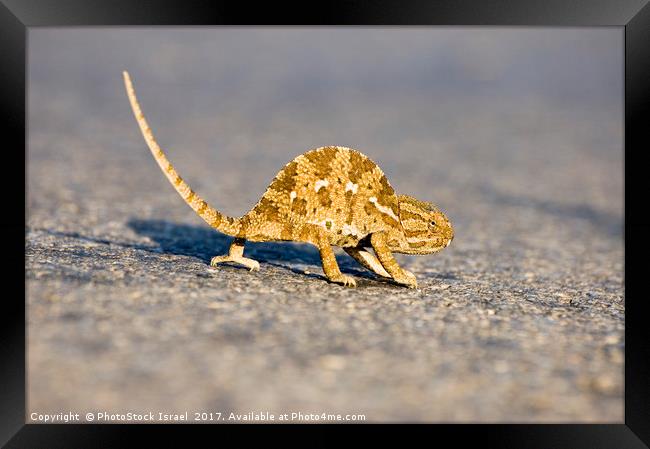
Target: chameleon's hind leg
(236, 254)
(367, 259)
(387, 260)
(318, 237)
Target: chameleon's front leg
(367, 259)
(318, 237)
(236, 254)
(387, 260)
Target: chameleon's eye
(433, 223)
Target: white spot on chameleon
(350, 230)
(323, 223)
(320, 184)
(293, 195)
(352, 187)
(383, 209)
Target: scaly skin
(327, 196)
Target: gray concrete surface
(516, 134)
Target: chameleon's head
(426, 229)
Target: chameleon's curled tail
(213, 217)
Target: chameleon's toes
(349, 281)
(345, 280)
(407, 280)
(218, 259)
(253, 265)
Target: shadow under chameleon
(205, 243)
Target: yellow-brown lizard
(327, 196)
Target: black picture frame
(17, 16)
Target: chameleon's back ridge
(327, 196)
(335, 188)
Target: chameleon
(328, 196)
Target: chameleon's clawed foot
(408, 279)
(251, 264)
(343, 279)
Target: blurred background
(516, 133)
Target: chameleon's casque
(326, 196)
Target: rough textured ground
(520, 319)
